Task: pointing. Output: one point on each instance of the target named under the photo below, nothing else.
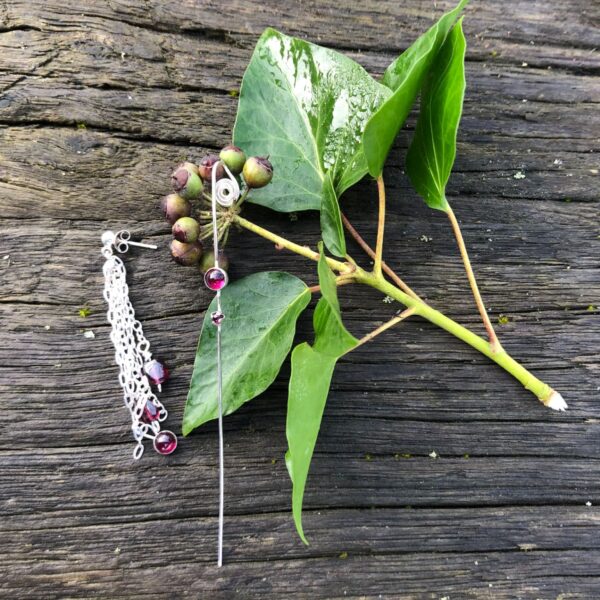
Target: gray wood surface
(98, 101)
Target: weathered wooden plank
(118, 55)
(49, 350)
(527, 31)
(357, 532)
(151, 82)
(413, 409)
(142, 111)
(558, 280)
(75, 175)
(130, 178)
(101, 484)
(64, 374)
(46, 559)
(498, 575)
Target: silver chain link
(132, 349)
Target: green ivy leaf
(312, 369)
(332, 228)
(306, 107)
(260, 321)
(404, 77)
(431, 154)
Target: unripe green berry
(187, 183)
(190, 166)
(208, 261)
(174, 207)
(186, 229)
(186, 254)
(234, 158)
(258, 172)
(206, 165)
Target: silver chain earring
(137, 368)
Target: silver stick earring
(137, 368)
(225, 192)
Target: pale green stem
(242, 197)
(543, 391)
(288, 245)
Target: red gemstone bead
(165, 442)
(150, 413)
(157, 372)
(215, 279)
(217, 317)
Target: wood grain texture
(98, 101)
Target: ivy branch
(350, 272)
(326, 123)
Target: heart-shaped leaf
(312, 369)
(306, 107)
(404, 77)
(257, 333)
(431, 154)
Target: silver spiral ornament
(226, 191)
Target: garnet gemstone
(157, 372)
(217, 317)
(150, 413)
(215, 279)
(165, 442)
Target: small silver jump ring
(138, 451)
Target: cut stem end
(555, 401)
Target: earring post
(140, 245)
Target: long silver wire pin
(219, 377)
(226, 191)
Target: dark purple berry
(206, 165)
(174, 207)
(186, 254)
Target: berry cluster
(191, 183)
